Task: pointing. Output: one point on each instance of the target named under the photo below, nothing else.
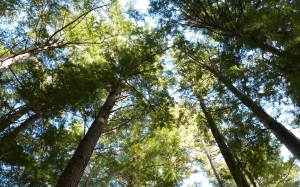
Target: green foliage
(43, 150)
(79, 51)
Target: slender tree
(229, 158)
(7, 119)
(245, 133)
(285, 136)
(279, 130)
(207, 152)
(7, 138)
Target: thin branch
(79, 17)
(225, 108)
(16, 77)
(119, 126)
(121, 108)
(290, 169)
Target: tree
(40, 154)
(226, 105)
(207, 152)
(75, 168)
(279, 130)
(130, 59)
(226, 152)
(252, 26)
(45, 25)
(204, 91)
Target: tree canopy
(94, 94)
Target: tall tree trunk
(246, 171)
(8, 119)
(9, 137)
(285, 136)
(77, 164)
(250, 177)
(213, 166)
(234, 169)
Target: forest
(102, 93)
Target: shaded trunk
(246, 171)
(8, 138)
(213, 166)
(130, 181)
(7, 120)
(285, 136)
(228, 156)
(250, 177)
(77, 164)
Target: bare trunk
(228, 156)
(285, 136)
(7, 120)
(213, 166)
(77, 164)
(9, 137)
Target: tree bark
(250, 177)
(228, 156)
(285, 136)
(77, 164)
(213, 166)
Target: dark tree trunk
(7, 139)
(250, 177)
(228, 156)
(246, 171)
(77, 164)
(285, 136)
(8, 119)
